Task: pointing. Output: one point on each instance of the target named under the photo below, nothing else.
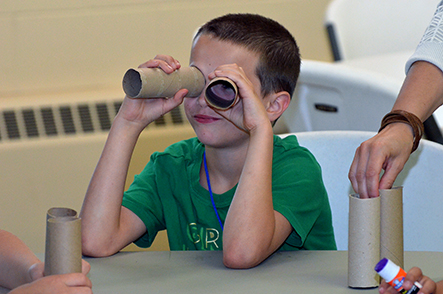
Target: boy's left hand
(249, 113)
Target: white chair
(333, 97)
(360, 28)
(421, 180)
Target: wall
(50, 45)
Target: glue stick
(395, 276)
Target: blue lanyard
(210, 190)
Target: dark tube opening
(221, 94)
(132, 83)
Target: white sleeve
(430, 48)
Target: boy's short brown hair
(279, 56)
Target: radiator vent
(63, 119)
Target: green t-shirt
(167, 195)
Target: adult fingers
(352, 175)
(86, 267)
(76, 280)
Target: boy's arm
(253, 230)
(107, 227)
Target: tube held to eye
(221, 93)
(155, 83)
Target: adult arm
(22, 271)
(15, 261)
(421, 94)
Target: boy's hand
(249, 113)
(414, 274)
(144, 111)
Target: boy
(236, 187)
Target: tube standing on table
(375, 231)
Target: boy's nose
(201, 100)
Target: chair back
(358, 28)
(421, 179)
(333, 97)
(361, 28)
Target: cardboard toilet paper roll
(155, 83)
(63, 250)
(391, 228)
(375, 232)
(221, 93)
(363, 241)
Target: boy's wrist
(128, 127)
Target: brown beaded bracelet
(407, 118)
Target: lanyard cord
(210, 190)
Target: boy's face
(207, 54)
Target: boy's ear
(277, 104)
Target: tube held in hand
(63, 250)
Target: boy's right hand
(413, 275)
(144, 111)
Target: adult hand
(413, 275)
(36, 271)
(388, 150)
(58, 284)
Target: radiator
(49, 147)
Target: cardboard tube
(63, 250)
(363, 241)
(60, 212)
(391, 230)
(155, 83)
(221, 93)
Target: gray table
(203, 272)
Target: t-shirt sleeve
(300, 196)
(143, 199)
